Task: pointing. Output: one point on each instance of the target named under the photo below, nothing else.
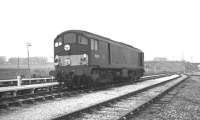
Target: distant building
(160, 59)
(199, 66)
(24, 61)
(2, 59)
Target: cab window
(70, 38)
(82, 40)
(94, 44)
(58, 42)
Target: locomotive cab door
(99, 53)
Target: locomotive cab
(71, 50)
(71, 55)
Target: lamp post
(28, 45)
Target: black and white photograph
(100, 60)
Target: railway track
(43, 94)
(122, 107)
(73, 106)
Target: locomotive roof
(92, 35)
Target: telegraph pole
(18, 65)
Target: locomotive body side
(117, 57)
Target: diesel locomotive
(84, 59)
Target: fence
(25, 81)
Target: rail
(148, 76)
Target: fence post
(19, 80)
(52, 78)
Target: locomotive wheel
(109, 77)
(132, 76)
(76, 82)
(88, 81)
(83, 81)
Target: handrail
(23, 79)
(19, 80)
(23, 87)
(10, 80)
(31, 79)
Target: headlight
(67, 61)
(84, 59)
(59, 43)
(67, 47)
(56, 57)
(56, 44)
(56, 61)
(85, 55)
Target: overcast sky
(161, 28)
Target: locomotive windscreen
(69, 38)
(58, 42)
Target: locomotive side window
(140, 59)
(70, 38)
(94, 44)
(82, 40)
(58, 42)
